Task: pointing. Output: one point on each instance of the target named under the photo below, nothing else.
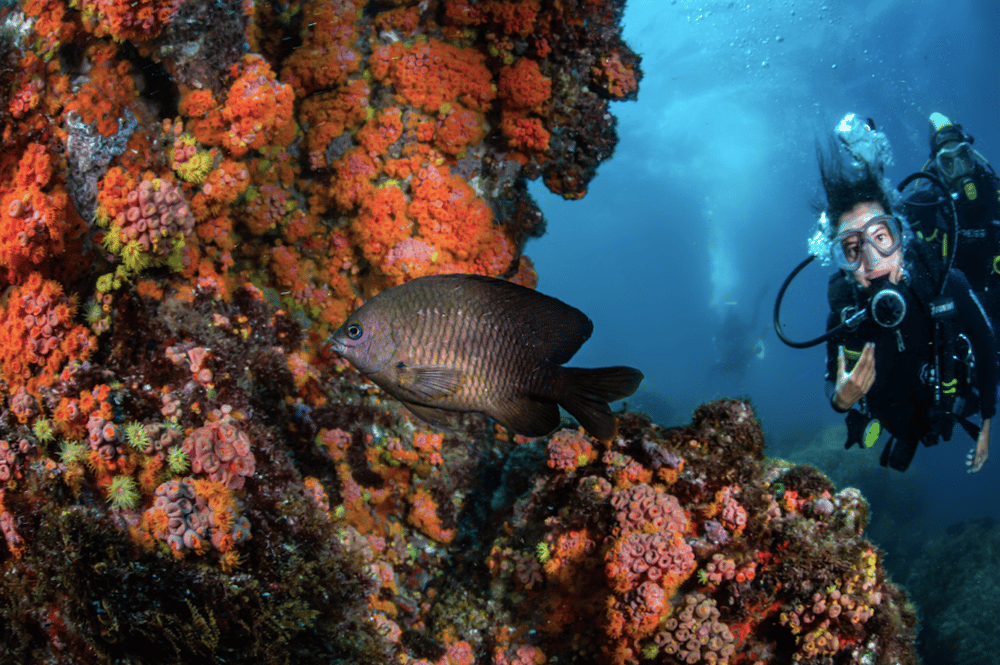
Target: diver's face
(873, 264)
(954, 161)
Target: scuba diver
(973, 186)
(910, 351)
(739, 340)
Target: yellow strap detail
(872, 432)
(948, 387)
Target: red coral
(195, 514)
(382, 223)
(696, 633)
(662, 558)
(8, 527)
(570, 449)
(135, 20)
(258, 108)
(381, 131)
(734, 516)
(642, 508)
(222, 452)
(423, 515)
(334, 442)
(266, 209)
(23, 405)
(327, 115)
(105, 438)
(615, 76)
(456, 129)
(38, 333)
(522, 85)
(107, 92)
(448, 213)
(353, 176)
(155, 215)
(525, 133)
(49, 27)
(431, 73)
(14, 457)
(37, 223)
(326, 57)
(410, 256)
(26, 99)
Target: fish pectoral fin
(429, 382)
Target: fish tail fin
(588, 392)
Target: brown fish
(469, 343)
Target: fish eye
(354, 330)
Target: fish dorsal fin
(561, 331)
(429, 382)
(556, 329)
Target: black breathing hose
(934, 180)
(777, 313)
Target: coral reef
(192, 196)
(686, 545)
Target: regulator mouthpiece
(887, 305)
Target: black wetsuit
(978, 249)
(899, 397)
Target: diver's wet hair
(847, 185)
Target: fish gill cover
(192, 196)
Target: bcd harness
(948, 370)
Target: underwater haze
(680, 246)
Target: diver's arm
(978, 456)
(844, 388)
(852, 386)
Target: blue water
(707, 204)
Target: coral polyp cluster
(700, 551)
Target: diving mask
(881, 234)
(955, 162)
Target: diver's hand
(853, 385)
(978, 455)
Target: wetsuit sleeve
(980, 333)
(832, 352)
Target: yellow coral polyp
(196, 168)
(105, 282)
(113, 240)
(134, 258)
(101, 218)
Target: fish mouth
(336, 345)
